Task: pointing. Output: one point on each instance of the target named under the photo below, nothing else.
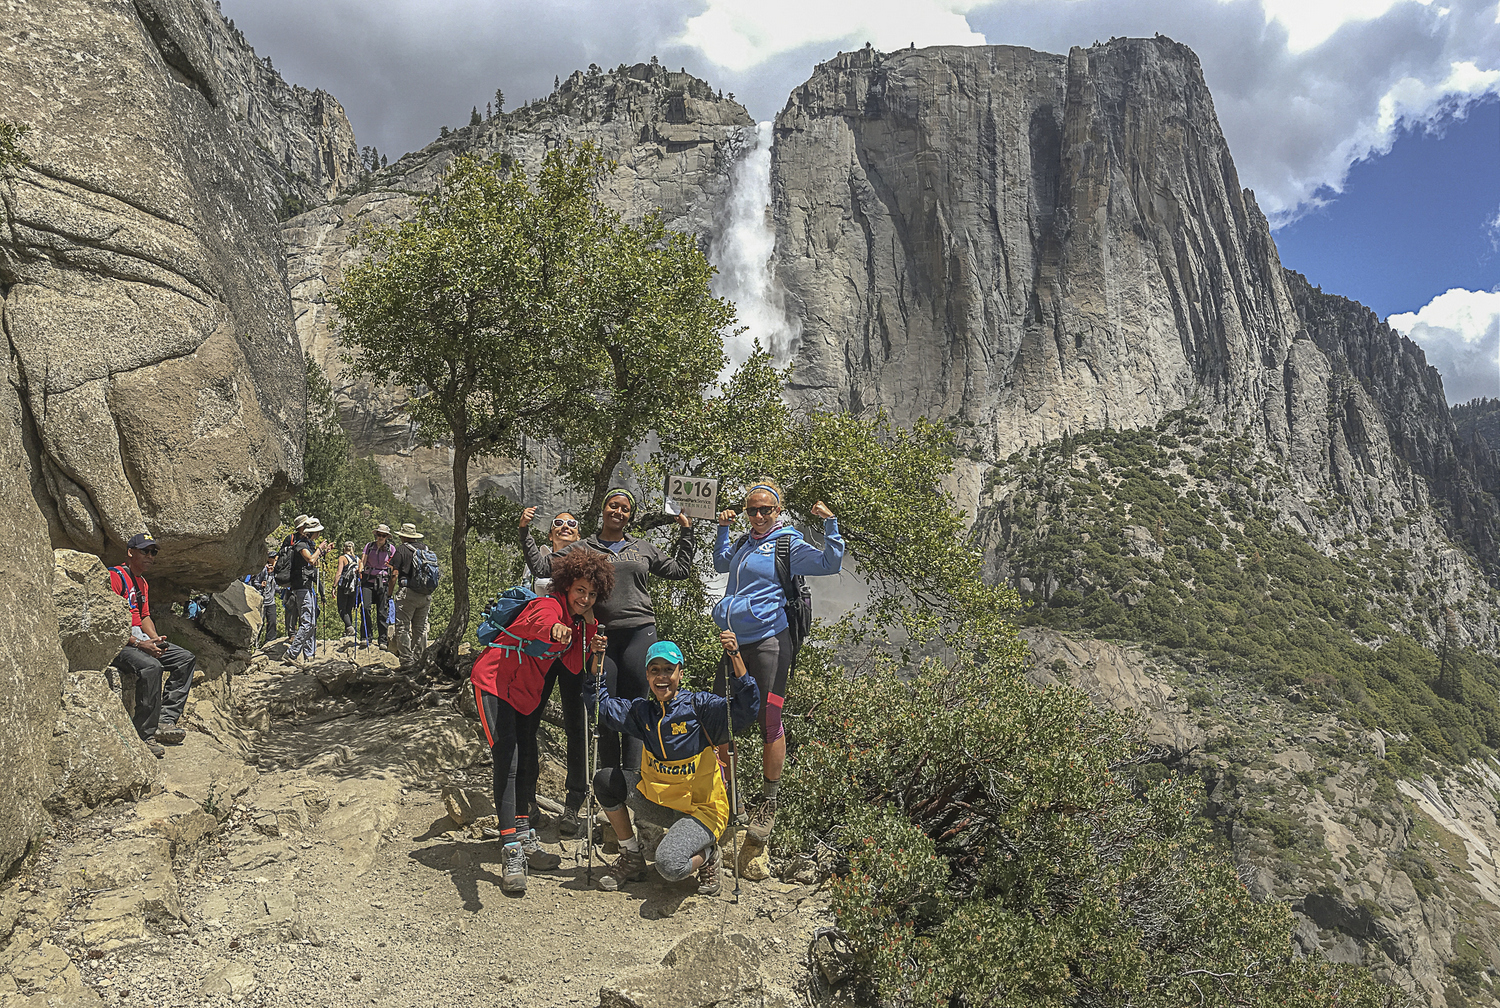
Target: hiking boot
(155, 747)
(570, 822)
(711, 875)
(170, 734)
(762, 819)
(630, 866)
(513, 868)
(538, 859)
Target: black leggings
(769, 662)
(575, 727)
(512, 739)
(625, 674)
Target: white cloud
(1460, 332)
(1309, 23)
(739, 35)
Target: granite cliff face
(674, 140)
(1036, 245)
(153, 379)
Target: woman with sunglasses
(564, 533)
(754, 608)
(627, 612)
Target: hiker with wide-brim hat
(375, 580)
(413, 608)
(557, 628)
(306, 552)
(679, 787)
(628, 613)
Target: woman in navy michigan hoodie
(754, 608)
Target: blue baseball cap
(665, 649)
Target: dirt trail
(313, 862)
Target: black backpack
(283, 569)
(799, 607)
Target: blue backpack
(425, 572)
(500, 614)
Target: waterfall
(742, 251)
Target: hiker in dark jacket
(627, 615)
(509, 676)
(680, 787)
(343, 586)
(562, 534)
(412, 606)
(754, 607)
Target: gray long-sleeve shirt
(629, 604)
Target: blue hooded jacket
(754, 604)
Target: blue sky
(1340, 114)
(1410, 224)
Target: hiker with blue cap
(679, 787)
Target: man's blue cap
(665, 649)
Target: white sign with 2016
(693, 496)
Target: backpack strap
(126, 581)
(784, 567)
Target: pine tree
(442, 132)
(499, 101)
(556, 82)
(489, 110)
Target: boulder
(233, 979)
(233, 616)
(92, 621)
(143, 297)
(465, 805)
(705, 968)
(95, 755)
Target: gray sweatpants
(685, 837)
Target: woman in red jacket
(508, 678)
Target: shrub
(998, 848)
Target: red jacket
(516, 677)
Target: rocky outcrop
(673, 140)
(144, 303)
(153, 379)
(300, 139)
(93, 622)
(1035, 245)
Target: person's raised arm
(809, 561)
(678, 566)
(723, 549)
(538, 561)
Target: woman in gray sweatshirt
(628, 616)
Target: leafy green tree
(646, 315)
(460, 304)
(995, 843)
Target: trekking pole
(738, 664)
(591, 757)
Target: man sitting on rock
(163, 671)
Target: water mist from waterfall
(742, 251)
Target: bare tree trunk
(602, 480)
(458, 623)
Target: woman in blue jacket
(754, 608)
